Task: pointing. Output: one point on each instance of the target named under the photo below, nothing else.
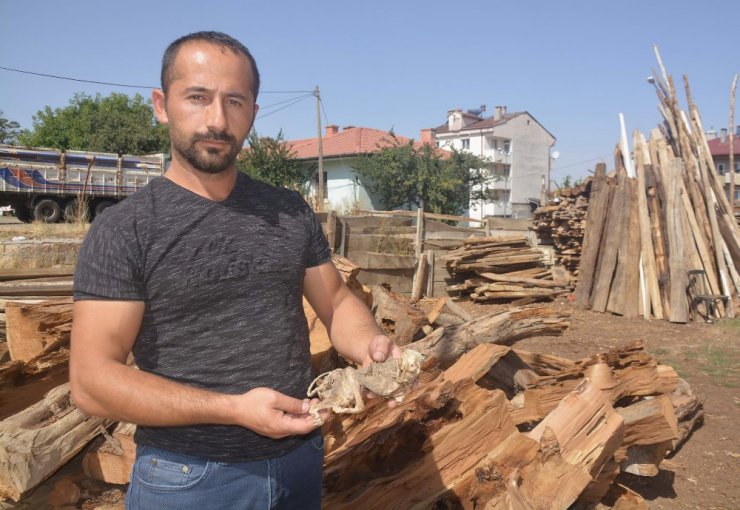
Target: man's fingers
(290, 405)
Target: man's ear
(160, 110)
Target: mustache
(212, 135)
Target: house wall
(344, 192)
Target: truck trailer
(44, 184)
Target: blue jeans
(162, 479)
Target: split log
(588, 429)
(33, 329)
(39, 440)
(443, 458)
(113, 459)
(689, 411)
(24, 384)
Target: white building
(518, 147)
(341, 148)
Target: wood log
(436, 310)
(689, 411)
(33, 329)
(396, 316)
(112, 460)
(500, 327)
(39, 440)
(645, 459)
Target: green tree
(116, 123)
(271, 160)
(10, 130)
(404, 175)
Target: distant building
(518, 147)
(719, 148)
(341, 149)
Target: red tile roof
(349, 142)
(717, 148)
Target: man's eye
(196, 97)
(235, 102)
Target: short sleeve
(108, 265)
(318, 249)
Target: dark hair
(217, 38)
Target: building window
(507, 147)
(721, 169)
(465, 143)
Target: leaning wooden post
(419, 231)
(732, 146)
(421, 261)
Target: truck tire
(70, 211)
(102, 206)
(23, 213)
(47, 210)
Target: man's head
(216, 38)
(209, 87)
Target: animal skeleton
(341, 390)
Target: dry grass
(41, 230)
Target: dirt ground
(705, 473)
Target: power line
(580, 163)
(295, 101)
(80, 80)
(262, 108)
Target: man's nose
(216, 116)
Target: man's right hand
(273, 414)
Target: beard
(211, 160)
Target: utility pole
(320, 198)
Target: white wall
(344, 193)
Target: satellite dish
(555, 154)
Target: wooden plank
(646, 240)
(624, 296)
(411, 214)
(530, 282)
(430, 273)
(14, 289)
(370, 260)
(20, 274)
(612, 240)
(676, 241)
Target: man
(201, 275)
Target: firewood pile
(488, 269)
(562, 225)
(491, 426)
(41, 429)
(653, 223)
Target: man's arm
(103, 334)
(352, 328)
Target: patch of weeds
(730, 325)
(719, 364)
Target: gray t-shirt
(223, 286)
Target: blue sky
(573, 65)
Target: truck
(45, 184)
